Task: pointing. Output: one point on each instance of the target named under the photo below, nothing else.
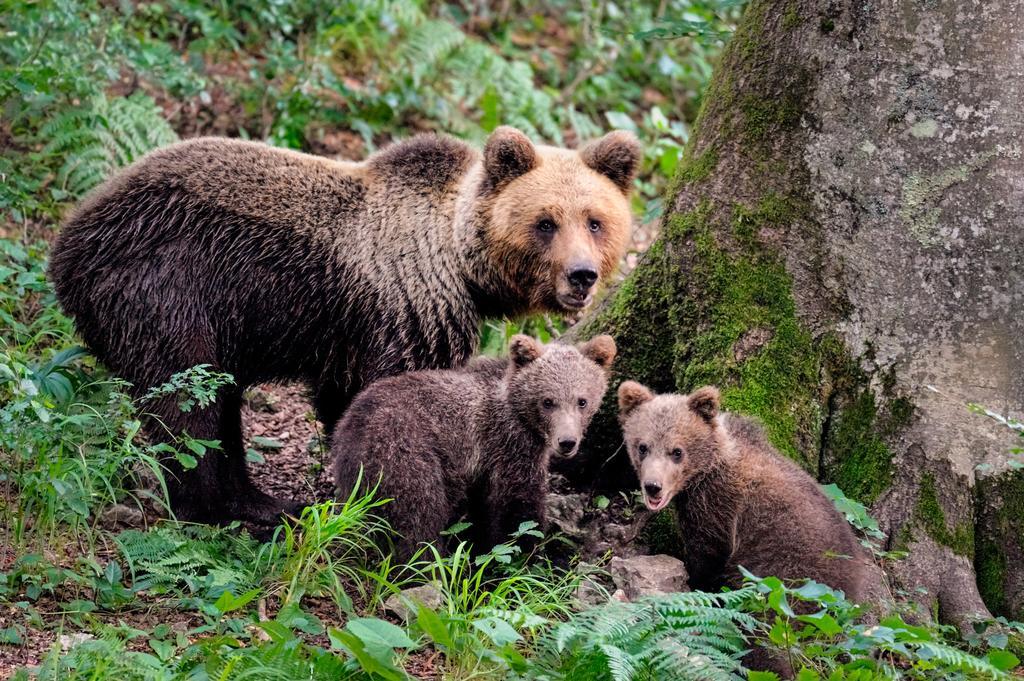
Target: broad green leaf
(433, 626)
(497, 629)
(1003, 660)
(375, 631)
(762, 676)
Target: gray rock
(69, 641)
(594, 586)
(648, 575)
(122, 516)
(262, 400)
(566, 513)
(403, 603)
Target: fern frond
(678, 636)
(99, 137)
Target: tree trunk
(843, 254)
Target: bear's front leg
(511, 501)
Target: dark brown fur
(740, 503)
(274, 265)
(476, 440)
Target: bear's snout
(582, 277)
(576, 285)
(566, 445)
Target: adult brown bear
(275, 265)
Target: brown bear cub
(273, 265)
(739, 502)
(475, 442)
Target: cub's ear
(600, 349)
(704, 402)
(508, 154)
(631, 396)
(616, 156)
(523, 350)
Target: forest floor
(279, 424)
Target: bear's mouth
(655, 503)
(576, 300)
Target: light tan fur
(739, 502)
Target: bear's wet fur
(273, 265)
(475, 441)
(739, 502)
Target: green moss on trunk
(865, 462)
(1000, 541)
(712, 301)
(929, 516)
(747, 339)
(858, 442)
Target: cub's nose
(583, 277)
(566, 445)
(653, 489)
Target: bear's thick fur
(739, 502)
(474, 441)
(275, 265)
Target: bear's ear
(616, 156)
(704, 402)
(523, 350)
(600, 349)
(631, 396)
(508, 154)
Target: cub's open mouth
(656, 503)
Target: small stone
(648, 575)
(566, 512)
(69, 641)
(122, 516)
(594, 585)
(401, 604)
(261, 401)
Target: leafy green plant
(69, 460)
(99, 137)
(491, 603)
(325, 549)
(191, 560)
(823, 637)
(692, 635)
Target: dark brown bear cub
(740, 503)
(273, 265)
(476, 441)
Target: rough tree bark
(843, 254)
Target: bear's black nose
(653, 489)
(582, 277)
(566, 445)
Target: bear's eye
(594, 225)
(677, 454)
(641, 450)
(582, 403)
(548, 403)
(546, 225)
